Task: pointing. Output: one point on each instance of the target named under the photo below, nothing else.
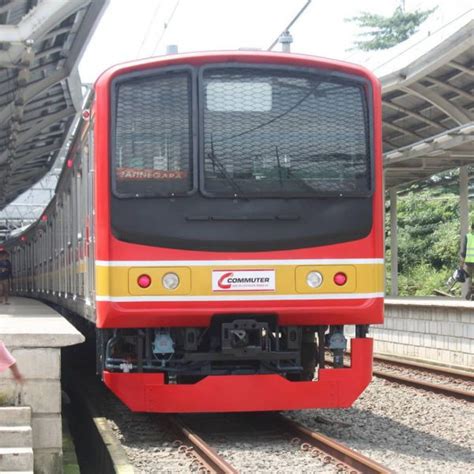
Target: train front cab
(255, 250)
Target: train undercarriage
(231, 345)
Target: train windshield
(282, 133)
(153, 136)
(261, 132)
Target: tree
(388, 31)
(428, 240)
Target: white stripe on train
(233, 297)
(198, 263)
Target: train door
(57, 250)
(88, 149)
(42, 261)
(61, 260)
(73, 236)
(68, 218)
(50, 255)
(33, 263)
(80, 230)
(88, 222)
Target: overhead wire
(165, 27)
(148, 30)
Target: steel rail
(431, 387)
(428, 386)
(444, 371)
(207, 456)
(347, 458)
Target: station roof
(428, 104)
(40, 90)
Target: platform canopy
(428, 104)
(40, 44)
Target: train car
(219, 223)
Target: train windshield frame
(251, 131)
(153, 145)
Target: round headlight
(170, 281)
(314, 279)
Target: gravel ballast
(426, 376)
(406, 429)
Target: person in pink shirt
(7, 361)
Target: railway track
(441, 386)
(431, 387)
(261, 436)
(432, 369)
(322, 446)
(414, 377)
(196, 447)
(327, 450)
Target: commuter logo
(243, 280)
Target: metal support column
(464, 210)
(394, 241)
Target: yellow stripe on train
(117, 281)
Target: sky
(143, 28)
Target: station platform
(428, 301)
(432, 330)
(35, 333)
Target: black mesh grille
(284, 134)
(153, 143)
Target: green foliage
(6, 399)
(422, 280)
(386, 32)
(428, 241)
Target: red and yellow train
(219, 220)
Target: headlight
(170, 281)
(314, 279)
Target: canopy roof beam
(450, 87)
(402, 130)
(37, 23)
(32, 91)
(36, 153)
(42, 124)
(438, 101)
(413, 114)
(461, 67)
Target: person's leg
(6, 290)
(2, 290)
(469, 269)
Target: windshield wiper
(281, 168)
(217, 163)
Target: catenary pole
(394, 241)
(464, 209)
